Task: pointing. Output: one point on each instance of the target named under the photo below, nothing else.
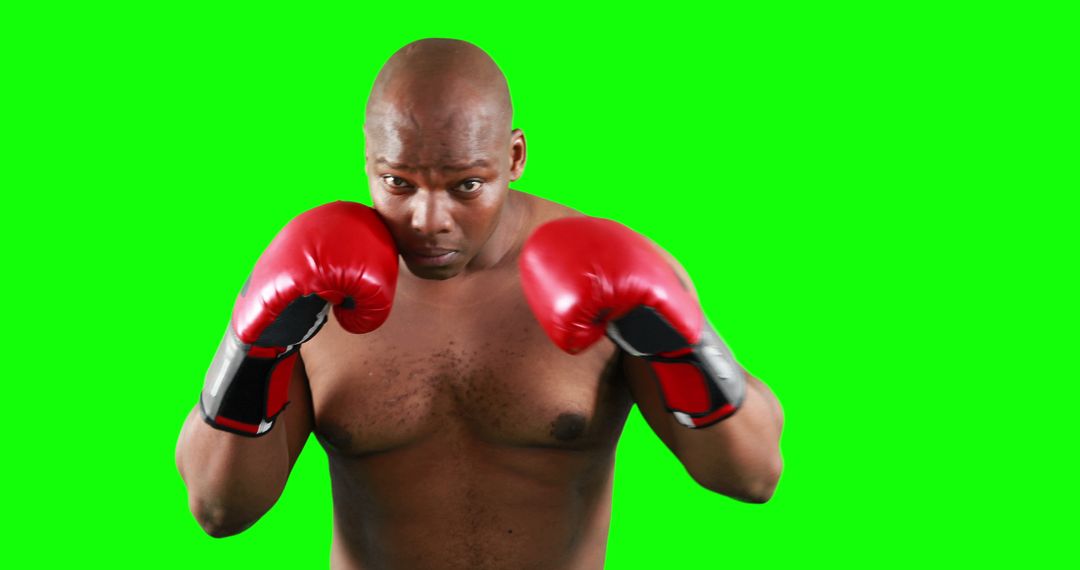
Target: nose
(431, 214)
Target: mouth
(431, 257)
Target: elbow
(221, 529)
(762, 488)
(760, 492)
(217, 520)
(756, 487)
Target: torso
(459, 436)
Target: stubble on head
(438, 86)
(440, 110)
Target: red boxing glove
(585, 277)
(338, 254)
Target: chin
(434, 273)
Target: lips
(432, 257)
(431, 252)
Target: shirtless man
(459, 434)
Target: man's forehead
(404, 163)
(407, 116)
(457, 140)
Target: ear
(517, 154)
(364, 146)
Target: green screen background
(873, 203)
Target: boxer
(464, 353)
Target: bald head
(434, 82)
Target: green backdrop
(874, 204)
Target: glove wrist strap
(701, 383)
(246, 387)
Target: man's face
(440, 185)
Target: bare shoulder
(542, 210)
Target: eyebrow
(399, 166)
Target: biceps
(646, 392)
(298, 415)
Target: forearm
(231, 480)
(740, 456)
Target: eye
(470, 186)
(395, 181)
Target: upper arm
(645, 390)
(299, 415)
(642, 381)
(644, 386)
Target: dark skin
(458, 435)
(438, 133)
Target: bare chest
(483, 369)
